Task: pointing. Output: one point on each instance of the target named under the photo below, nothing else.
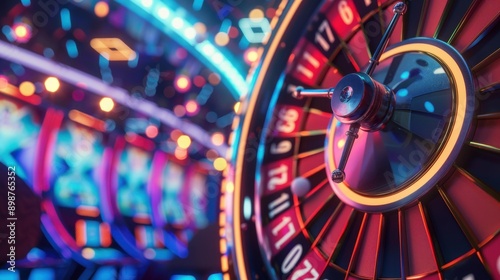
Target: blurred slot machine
(130, 200)
(184, 198)
(19, 134)
(180, 200)
(71, 175)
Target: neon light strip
(172, 20)
(95, 85)
(244, 130)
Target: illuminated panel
(77, 153)
(172, 208)
(132, 197)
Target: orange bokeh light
(217, 138)
(21, 31)
(182, 83)
(221, 38)
(101, 9)
(184, 141)
(4, 82)
(220, 164)
(214, 79)
(180, 153)
(27, 88)
(107, 104)
(52, 84)
(192, 107)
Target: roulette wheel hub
(442, 69)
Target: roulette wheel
(356, 161)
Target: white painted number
(325, 43)
(277, 176)
(287, 119)
(291, 259)
(278, 205)
(312, 62)
(469, 277)
(290, 231)
(345, 12)
(282, 147)
(303, 271)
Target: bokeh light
(180, 153)
(181, 53)
(182, 83)
(221, 38)
(175, 134)
(256, 14)
(211, 154)
(106, 104)
(163, 13)
(200, 28)
(214, 79)
(233, 32)
(217, 138)
(190, 33)
(149, 254)
(22, 32)
(220, 164)
(88, 253)
(4, 82)
(199, 81)
(236, 107)
(101, 9)
(52, 84)
(179, 111)
(184, 141)
(177, 23)
(147, 3)
(151, 131)
(27, 88)
(192, 107)
(79, 34)
(270, 13)
(251, 55)
(341, 143)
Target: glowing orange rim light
(236, 223)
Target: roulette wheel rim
(251, 131)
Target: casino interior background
(155, 139)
